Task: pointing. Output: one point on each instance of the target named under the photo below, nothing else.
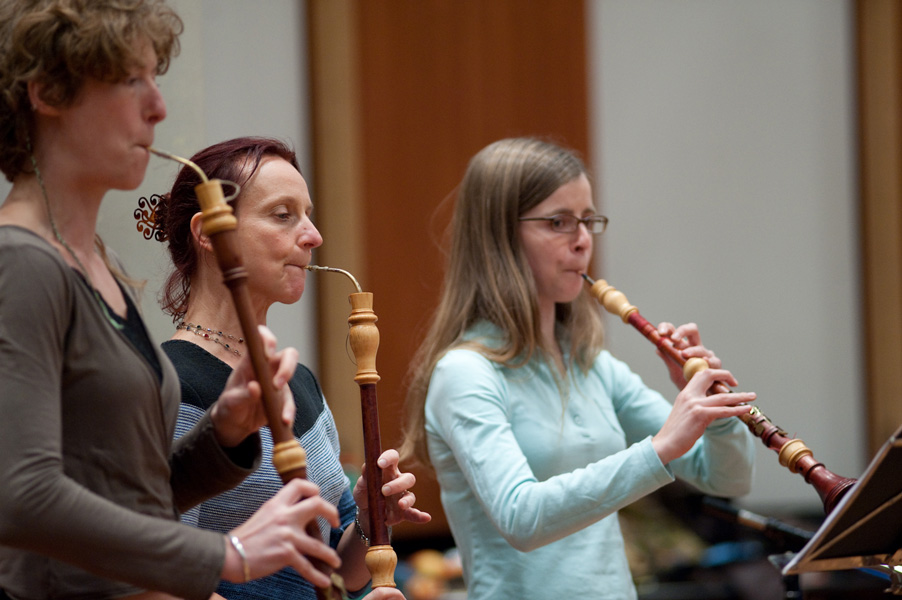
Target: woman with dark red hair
(276, 237)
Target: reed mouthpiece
(334, 270)
(179, 159)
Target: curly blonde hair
(61, 43)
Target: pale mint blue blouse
(532, 476)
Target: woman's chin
(293, 296)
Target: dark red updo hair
(235, 160)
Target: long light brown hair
(488, 278)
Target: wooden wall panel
(434, 81)
(405, 91)
(879, 33)
(336, 193)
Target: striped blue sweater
(203, 377)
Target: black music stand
(865, 529)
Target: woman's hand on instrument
(688, 341)
(239, 411)
(275, 536)
(693, 410)
(399, 500)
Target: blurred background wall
(724, 142)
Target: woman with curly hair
(92, 482)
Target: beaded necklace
(208, 334)
(103, 307)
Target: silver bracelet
(239, 548)
(359, 529)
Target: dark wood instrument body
(372, 450)
(793, 454)
(363, 337)
(289, 457)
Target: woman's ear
(203, 241)
(36, 92)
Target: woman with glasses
(538, 436)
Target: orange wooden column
(879, 33)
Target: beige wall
(725, 144)
(241, 71)
(723, 141)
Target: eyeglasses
(565, 223)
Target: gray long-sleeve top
(91, 483)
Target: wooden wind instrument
(381, 558)
(792, 453)
(289, 457)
